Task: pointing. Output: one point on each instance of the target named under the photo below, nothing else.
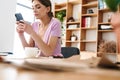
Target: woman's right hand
(19, 27)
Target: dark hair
(47, 3)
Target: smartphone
(18, 16)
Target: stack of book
(105, 27)
(86, 22)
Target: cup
(31, 52)
(73, 38)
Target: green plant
(112, 4)
(60, 15)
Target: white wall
(7, 24)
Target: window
(23, 7)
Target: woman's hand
(19, 27)
(24, 27)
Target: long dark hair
(47, 3)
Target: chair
(69, 51)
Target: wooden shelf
(104, 10)
(57, 6)
(57, 10)
(85, 15)
(87, 35)
(74, 1)
(106, 23)
(69, 41)
(90, 5)
(105, 30)
(91, 28)
(75, 29)
(76, 22)
(88, 41)
(61, 6)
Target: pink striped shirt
(54, 29)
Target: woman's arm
(45, 48)
(23, 41)
(20, 30)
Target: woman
(115, 22)
(44, 34)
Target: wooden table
(10, 72)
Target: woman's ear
(48, 9)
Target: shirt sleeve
(56, 28)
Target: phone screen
(18, 16)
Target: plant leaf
(112, 4)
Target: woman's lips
(36, 14)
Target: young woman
(44, 34)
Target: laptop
(7, 27)
(6, 41)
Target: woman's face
(39, 9)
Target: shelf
(88, 41)
(73, 41)
(104, 10)
(92, 15)
(60, 5)
(90, 5)
(105, 30)
(91, 28)
(89, 20)
(76, 22)
(57, 10)
(74, 29)
(74, 1)
(106, 23)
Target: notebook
(47, 63)
(54, 64)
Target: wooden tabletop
(10, 72)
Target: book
(83, 22)
(88, 21)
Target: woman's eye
(38, 7)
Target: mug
(31, 52)
(73, 38)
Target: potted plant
(112, 4)
(60, 15)
(73, 37)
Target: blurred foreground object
(112, 4)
